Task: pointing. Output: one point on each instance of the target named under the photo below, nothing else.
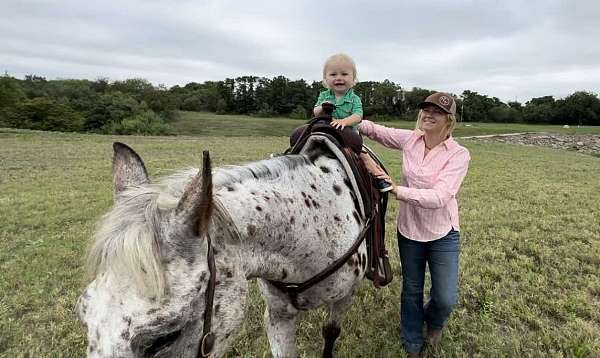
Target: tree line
(136, 106)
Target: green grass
(530, 261)
(210, 124)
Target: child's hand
(338, 124)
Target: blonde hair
(339, 57)
(449, 126)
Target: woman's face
(433, 119)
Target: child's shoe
(382, 185)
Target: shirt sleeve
(390, 137)
(357, 106)
(321, 98)
(449, 181)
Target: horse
(171, 260)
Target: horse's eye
(161, 342)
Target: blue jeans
(442, 258)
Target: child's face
(339, 77)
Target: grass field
(530, 261)
(210, 124)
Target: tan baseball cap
(443, 100)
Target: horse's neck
(283, 222)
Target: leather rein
(294, 289)
(291, 289)
(208, 338)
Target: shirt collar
(449, 143)
(347, 97)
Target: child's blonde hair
(339, 57)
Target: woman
(434, 166)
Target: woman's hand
(388, 179)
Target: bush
(43, 113)
(192, 103)
(145, 123)
(265, 111)
(504, 114)
(299, 113)
(111, 108)
(221, 106)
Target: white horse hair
(283, 219)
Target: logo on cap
(444, 100)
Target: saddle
(371, 203)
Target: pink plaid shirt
(429, 185)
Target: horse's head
(150, 268)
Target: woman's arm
(449, 181)
(389, 137)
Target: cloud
(509, 49)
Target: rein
(294, 289)
(291, 289)
(208, 338)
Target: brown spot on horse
(337, 189)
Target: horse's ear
(196, 205)
(128, 168)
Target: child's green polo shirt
(345, 106)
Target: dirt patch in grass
(582, 143)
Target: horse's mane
(126, 242)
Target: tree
(385, 98)
(579, 108)
(515, 105)
(244, 95)
(138, 88)
(299, 113)
(43, 113)
(11, 92)
(101, 85)
(504, 114)
(111, 108)
(412, 99)
(477, 107)
(540, 113)
(35, 86)
(159, 100)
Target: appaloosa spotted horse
(171, 260)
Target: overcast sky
(509, 49)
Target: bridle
(207, 341)
(208, 338)
(291, 289)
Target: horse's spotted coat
(265, 234)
